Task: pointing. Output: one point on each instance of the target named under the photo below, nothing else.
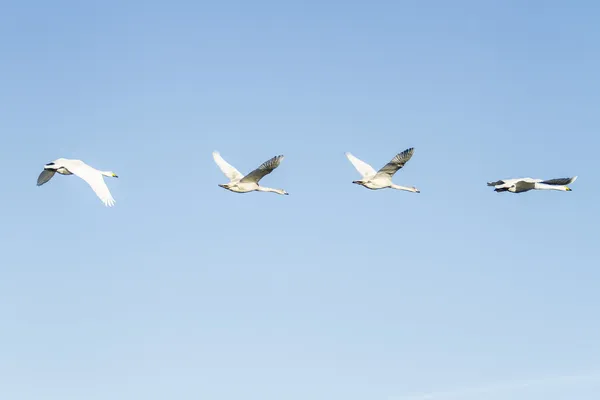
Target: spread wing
(264, 169)
(500, 182)
(560, 181)
(364, 169)
(94, 178)
(227, 169)
(509, 182)
(45, 176)
(397, 162)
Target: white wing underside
(94, 179)
(362, 167)
(228, 170)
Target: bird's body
(245, 187)
(240, 183)
(520, 185)
(92, 176)
(380, 183)
(382, 179)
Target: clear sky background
(184, 290)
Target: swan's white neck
(408, 189)
(268, 189)
(544, 186)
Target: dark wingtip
(45, 176)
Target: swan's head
(568, 189)
(357, 182)
(110, 174)
(284, 192)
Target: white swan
(381, 179)
(239, 183)
(520, 185)
(77, 167)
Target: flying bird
(520, 185)
(382, 179)
(239, 183)
(91, 175)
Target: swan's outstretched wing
(560, 181)
(397, 162)
(45, 176)
(265, 168)
(227, 169)
(94, 178)
(364, 169)
(514, 181)
(496, 183)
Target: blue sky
(184, 290)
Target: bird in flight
(382, 179)
(92, 176)
(240, 183)
(520, 185)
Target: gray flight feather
(397, 162)
(264, 169)
(45, 176)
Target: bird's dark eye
(51, 163)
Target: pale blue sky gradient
(186, 291)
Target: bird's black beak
(49, 164)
